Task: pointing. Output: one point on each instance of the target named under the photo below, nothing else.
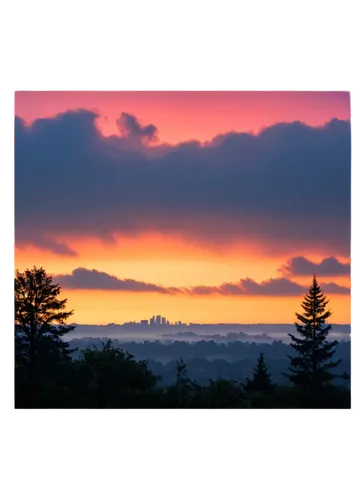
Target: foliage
(48, 375)
(111, 378)
(40, 323)
(311, 367)
(261, 380)
(233, 362)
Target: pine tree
(40, 318)
(261, 380)
(311, 367)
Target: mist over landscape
(230, 353)
(221, 332)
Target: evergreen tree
(40, 318)
(261, 380)
(183, 392)
(182, 379)
(111, 378)
(311, 366)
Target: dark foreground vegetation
(49, 374)
(207, 360)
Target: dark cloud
(300, 266)
(287, 187)
(82, 278)
(270, 287)
(334, 288)
(129, 126)
(37, 239)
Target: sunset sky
(199, 206)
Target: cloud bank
(92, 279)
(300, 266)
(287, 187)
(82, 278)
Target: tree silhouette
(311, 367)
(46, 376)
(222, 393)
(261, 380)
(40, 318)
(183, 392)
(111, 378)
(182, 379)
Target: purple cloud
(71, 180)
(300, 266)
(129, 126)
(82, 278)
(270, 287)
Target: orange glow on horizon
(103, 307)
(167, 261)
(172, 262)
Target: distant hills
(220, 332)
(206, 327)
(231, 336)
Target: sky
(199, 206)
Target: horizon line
(188, 324)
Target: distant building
(152, 320)
(143, 321)
(164, 321)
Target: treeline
(207, 360)
(50, 374)
(209, 349)
(109, 377)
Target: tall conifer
(40, 317)
(261, 380)
(312, 364)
